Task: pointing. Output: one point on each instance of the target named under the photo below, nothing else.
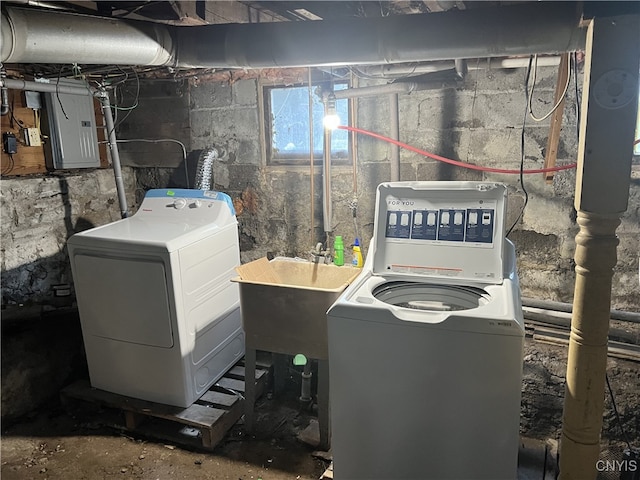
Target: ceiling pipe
(45, 36)
(37, 36)
(540, 27)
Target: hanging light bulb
(331, 119)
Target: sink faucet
(318, 253)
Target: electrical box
(70, 124)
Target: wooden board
(201, 425)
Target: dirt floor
(55, 445)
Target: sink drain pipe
(305, 390)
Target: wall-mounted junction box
(70, 123)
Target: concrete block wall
(39, 214)
(478, 120)
(41, 336)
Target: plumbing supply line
(394, 114)
(439, 66)
(632, 317)
(311, 161)
(115, 155)
(327, 208)
(375, 90)
(455, 162)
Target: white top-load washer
(425, 346)
(160, 317)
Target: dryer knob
(179, 203)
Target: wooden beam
(556, 119)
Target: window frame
(297, 158)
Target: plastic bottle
(338, 251)
(357, 261)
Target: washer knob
(197, 204)
(179, 203)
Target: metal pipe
(374, 90)
(40, 36)
(36, 36)
(53, 87)
(327, 208)
(312, 179)
(4, 109)
(394, 119)
(115, 155)
(540, 27)
(305, 388)
(632, 317)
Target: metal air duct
(542, 27)
(41, 36)
(37, 36)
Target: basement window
(288, 133)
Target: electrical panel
(70, 124)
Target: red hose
(454, 162)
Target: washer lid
(452, 230)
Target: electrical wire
(7, 168)
(615, 409)
(575, 84)
(533, 86)
(160, 140)
(58, 93)
(522, 138)
(457, 163)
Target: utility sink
(284, 304)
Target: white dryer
(425, 346)
(160, 317)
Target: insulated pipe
(40, 36)
(394, 119)
(36, 36)
(115, 155)
(540, 27)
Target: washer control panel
(471, 225)
(452, 230)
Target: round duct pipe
(531, 28)
(39, 36)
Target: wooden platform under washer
(202, 425)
